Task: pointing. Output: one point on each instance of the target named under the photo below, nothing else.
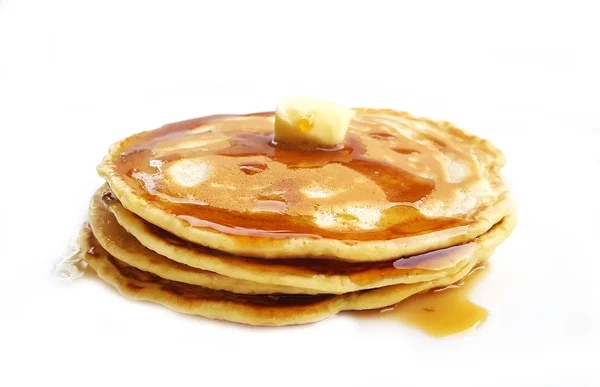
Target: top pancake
(399, 186)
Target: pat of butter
(310, 121)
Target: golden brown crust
(123, 246)
(248, 309)
(307, 274)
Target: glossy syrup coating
(222, 181)
(115, 226)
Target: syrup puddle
(441, 312)
(72, 266)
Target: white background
(76, 76)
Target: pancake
(319, 275)
(255, 309)
(122, 245)
(400, 186)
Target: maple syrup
(272, 220)
(440, 312)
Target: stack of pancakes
(210, 217)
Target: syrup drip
(441, 312)
(72, 266)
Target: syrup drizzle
(403, 189)
(440, 312)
